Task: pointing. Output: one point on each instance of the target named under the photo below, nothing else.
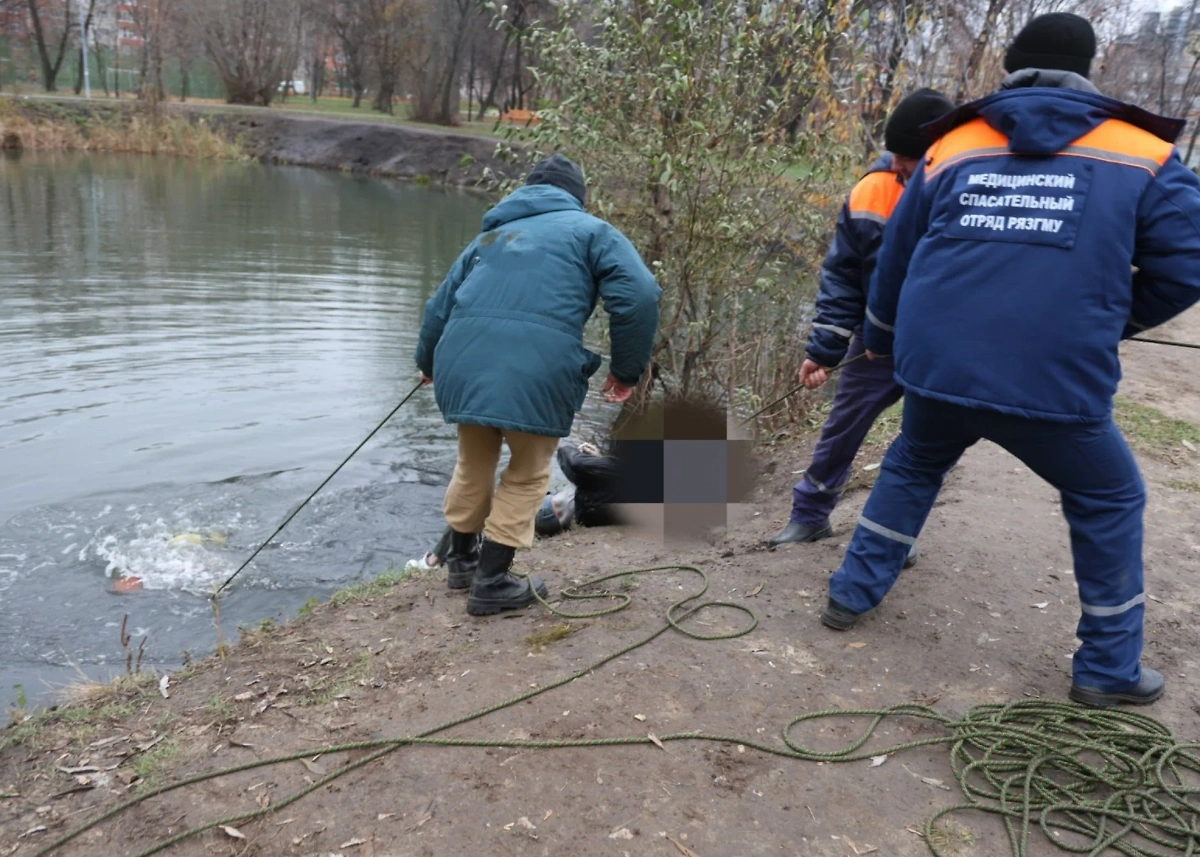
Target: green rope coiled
(1091, 780)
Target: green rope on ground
(1092, 780)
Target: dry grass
(51, 128)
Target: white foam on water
(161, 560)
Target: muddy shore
(988, 615)
(283, 137)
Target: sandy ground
(958, 630)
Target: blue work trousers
(1103, 500)
(865, 390)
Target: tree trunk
(383, 98)
(471, 85)
(185, 81)
(359, 89)
(489, 101)
(995, 7)
(50, 68)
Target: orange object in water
(127, 584)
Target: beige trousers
(503, 514)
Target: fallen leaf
(1041, 605)
(857, 645)
(312, 767)
(353, 843)
(245, 696)
(755, 591)
(871, 467)
(233, 743)
(41, 828)
(285, 821)
(975, 668)
(876, 761)
(623, 833)
(84, 769)
(384, 816)
(1189, 445)
(329, 650)
(640, 717)
(526, 823)
(144, 747)
(549, 813)
(233, 832)
(425, 816)
(104, 742)
(683, 849)
(654, 738)
(929, 781)
(866, 849)
(163, 684)
(9, 795)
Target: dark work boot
(796, 533)
(495, 588)
(462, 560)
(1146, 691)
(837, 617)
(911, 560)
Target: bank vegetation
(49, 126)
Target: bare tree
(441, 30)
(51, 24)
(386, 24)
(347, 20)
(253, 44)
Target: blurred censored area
(680, 465)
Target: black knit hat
(902, 135)
(1059, 41)
(561, 172)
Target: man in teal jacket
(502, 341)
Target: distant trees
(253, 44)
(446, 59)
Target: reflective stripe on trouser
(1103, 501)
(865, 390)
(504, 513)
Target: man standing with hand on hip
(1005, 285)
(502, 342)
(865, 389)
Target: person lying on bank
(502, 344)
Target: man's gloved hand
(813, 375)
(615, 391)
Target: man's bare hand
(813, 375)
(615, 391)
(426, 380)
(871, 355)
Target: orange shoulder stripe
(1122, 143)
(875, 197)
(1113, 141)
(975, 139)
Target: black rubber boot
(1148, 690)
(462, 560)
(837, 617)
(495, 588)
(913, 555)
(796, 533)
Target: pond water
(191, 348)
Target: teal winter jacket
(503, 337)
